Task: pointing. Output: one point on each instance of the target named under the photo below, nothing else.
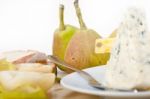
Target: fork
(91, 81)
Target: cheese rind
(129, 64)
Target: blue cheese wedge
(129, 64)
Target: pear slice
(11, 80)
(5, 65)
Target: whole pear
(62, 36)
(80, 52)
(113, 34)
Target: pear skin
(61, 40)
(113, 34)
(80, 52)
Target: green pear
(62, 36)
(113, 34)
(80, 52)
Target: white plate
(76, 83)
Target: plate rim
(100, 92)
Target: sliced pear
(5, 65)
(11, 80)
(36, 67)
(22, 93)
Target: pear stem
(79, 15)
(61, 17)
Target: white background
(30, 24)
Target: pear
(5, 65)
(113, 34)
(62, 36)
(80, 52)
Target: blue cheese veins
(129, 64)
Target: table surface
(59, 92)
